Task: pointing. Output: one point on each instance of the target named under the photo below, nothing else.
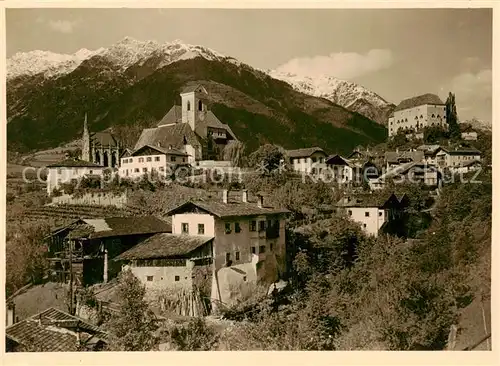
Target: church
(191, 128)
(100, 148)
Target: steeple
(85, 141)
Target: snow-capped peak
(122, 54)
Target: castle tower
(193, 107)
(85, 141)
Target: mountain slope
(344, 93)
(137, 83)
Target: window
(141, 160)
(177, 278)
(253, 250)
(313, 160)
(157, 158)
(228, 228)
(136, 170)
(380, 213)
(364, 225)
(185, 228)
(149, 278)
(237, 256)
(244, 278)
(183, 160)
(262, 249)
(201, 229)
(349, 212)
(90, 171)
(130, 160)
(162, 169)
(188, 105)
(148, 158)
(367, 214)
(253, 225)
(144, 170)
(237, 227)
(228, 257)
(271, 247)
(200, 105)
(262, 225)
(59, 171)
(172, 158)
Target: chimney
(11, 313)
(224, 195)
(244, 196)
(260, 200)
(158, 144)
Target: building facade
(308, 160)
(152, 160)
(414, 114)
(229, 243)
(454, 157)
(69, 170)
(101, 148)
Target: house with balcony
(152, 160)
(373, 211)
(311, 160)
(450, 158)
(217, 246)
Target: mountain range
(132, 84)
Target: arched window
(406, 119)
(433, 115)
(416, 117)
(421, 116)
(200, 105)
(189, 105)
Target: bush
(196, 335)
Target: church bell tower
(85, 141)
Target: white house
(151, 159)
(454, 157)
(342, 169)
(466, 167)
(372, 211)
(415, 113)
(430, 152)
(396, 158)
(311, 160)
(72, 169)
(467, 132)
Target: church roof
(104, 139)
(418, 101)
(192, 88)
(172, 135)
(174, 115)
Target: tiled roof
(174, 115)
(418, 101)
(232, 208)
(337, 160)
(394, 156)
(104, 139)
(405, 168)
(304, 153)
(162, 150)
(172, 135)
(374, 199)
(462, 151)
(52, 330)
(164, 246)
(74, 163)
(191, 88)
(116, 226)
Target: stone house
(224, 243)
(373, 211)
(69, 170)
(190, 128)
(152, 160)
(85, 247)
(309, 160)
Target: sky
(397, 53)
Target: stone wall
(93, 199)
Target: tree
(268, 159)
(133, 327)
(234, 152)
(452, 117)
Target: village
(206, 253)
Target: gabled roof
(230, 209)
(429, 149)
(115, 226)
(461, 151)
(193, 88)
(337, 160)
(74, 163)
(305, 152)
(211, 120)
(418, 101)
(173, 135)
(373, 199)
(174, 115)
(466, 127)
(395, 156)
(104, 138)
(164, 246)
(52, 330)
(161, 150)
